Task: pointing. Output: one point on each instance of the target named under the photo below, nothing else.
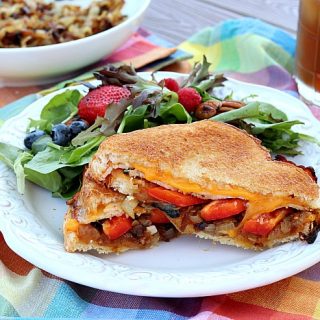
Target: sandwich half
(112, 216)
(207, 178)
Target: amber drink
(308, 51)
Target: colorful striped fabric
(249, 50)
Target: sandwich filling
(134, 209)
(116, 214)
(251, 220)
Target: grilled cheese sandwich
(209, 179)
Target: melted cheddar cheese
(257, 203)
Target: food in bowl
(25, 23)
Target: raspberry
(94, 104)
(171, 84)
(189, 98)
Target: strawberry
(189, 98)
(171, 84)
(94, 104)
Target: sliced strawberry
(94, 104)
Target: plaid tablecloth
(246, 49)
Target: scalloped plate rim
(199, 286)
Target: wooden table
(176, 20)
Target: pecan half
(207, 109)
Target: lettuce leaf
(154, 112)
(9, 153)
(57, 169)
(18, 168)
(51, 181)
(174, 113)
(268, 124)
(133, 119)
(259, 110)
(60, 108)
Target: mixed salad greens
(56, 163)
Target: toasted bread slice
(95, 202)
(205, 157)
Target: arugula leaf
(201, 79)
(60, 108)
(16, 158)
(41, 143)
(71, 181)
(173, 113)
(59, 169)
(37, 124)
(259, 126)
(46, 161)
(76, 154)
(260, 110)
(308, 138)
(49, 160)
(51, 181)
(279, 137)
(268, 124)
(133, 119)
(205, 95)
(88, 134)
(119, 76)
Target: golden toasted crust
(94, 201)
(233, 242)
(206, 153)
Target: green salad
(71, 126)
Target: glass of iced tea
(308, 51)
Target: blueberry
(32, 137)
(77, 126)
(61, 134)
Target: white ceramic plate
(184, 267)
(44, 64)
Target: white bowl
(44, 64)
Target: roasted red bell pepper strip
(265, 223)
(224, 208)
(157, 216)
(174, 197)
(116, 227)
